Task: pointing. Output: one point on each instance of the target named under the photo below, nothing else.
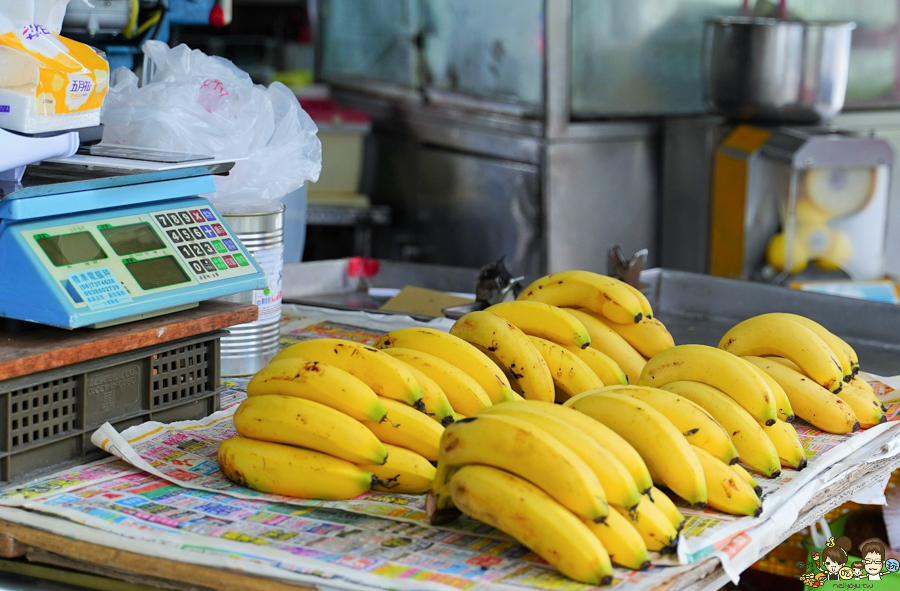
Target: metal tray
(700, 309)
(695, 308)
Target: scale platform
(88, 246)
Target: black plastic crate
(47, 418)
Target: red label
(219, 230)
(198, 217)
(229, 260)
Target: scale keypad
(202, 241)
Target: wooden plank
(147, 566)
(39, 348)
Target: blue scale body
(43, 227)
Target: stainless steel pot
(776, 70)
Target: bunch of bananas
(815, 369)
(332, 419)
(566, 486)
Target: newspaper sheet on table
(181, 458)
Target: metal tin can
(251, 346)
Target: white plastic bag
(206, 105)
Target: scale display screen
(71, 249)
(132, 238)
(156, 273)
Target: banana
(435, 402)
(622, 541)
(601, 449)
(583, 289)
(529, 452)
(787, 443)
(754, 448)
(665, 504)
(608, 342)
(304, 423)
(654, 527)
(768, 335)
(510, 349)
(716, 368)
(747, 478)
(291, 471)
(810, 401)
(859, 395)
(463, 393)
(404, 472)
(388, 377)
(545, 321)
(728, 492)
(697, 426)
(454, 351)
(782, 402)
(570, 374)
(845, 354)
(320, 383)
(408, 428)
(601, 364)
(646, 310)
(531, 516)
(648, 337)
(660, 443)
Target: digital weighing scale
(88, 246)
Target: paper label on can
(271, 261)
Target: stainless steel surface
(597, 194)
(776, 70)
(700, 309)
(251, 346)
(326, 283)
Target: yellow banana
(859, 395)
(754, 448)
(646, 310)
(320, 383)
(463, 393)
(291, 471)
(594, 447)
(782, 402)
(747, 478)
(608, 342)
(454, 351)
(545, 321)
(716, 368)
(388, 377)
(728, 492)
(435, 402)
(698, 427)
(531, 516)
(408, 428)
(529, 452)
(767, 335)
(787, 443)
(511, 350)
(304, 423)
(602, 365)
(583, 289)
(660, 443)
(622, 541)
(648, 337)
(570, 374)
(665, 504)
(845, 354)
(851, 353)
(404, 472)
(654, 527)
(810, 401)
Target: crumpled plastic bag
(204, 104)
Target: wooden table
(39, 348)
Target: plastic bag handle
(820, 539)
